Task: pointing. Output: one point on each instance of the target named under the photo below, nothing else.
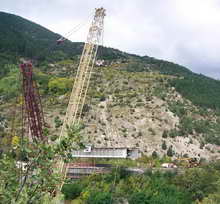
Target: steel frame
(82, 79)
(32, 112)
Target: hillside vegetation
(135, 101)
(193, 186)
(159, 107)
(22, 38)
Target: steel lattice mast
(81, 84)
(82, 79)
(33, 119)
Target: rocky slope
(142, 110)
(154, 105)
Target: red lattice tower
(33, 119)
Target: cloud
(186, 32)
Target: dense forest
(199, 89)
(22, 38)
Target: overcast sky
(182, 31)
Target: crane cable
(65, 37)
(74, 29)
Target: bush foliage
(199, 184)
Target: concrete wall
(102, 153)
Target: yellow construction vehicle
(187, 162)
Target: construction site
(111, 127)
(33, 117)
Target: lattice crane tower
(32, 111)
(81, 84)
(83, 75)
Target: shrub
(165, 134)
(10, 85)
(58, 122)
(140, 134)
(177, 108)
(102, 98)
(164, 146)
(72, 191)
(99, 198)
(187, 125)
(60, 85)
(201, 126)
(173, 133)
(170, 152)
(140, 198)
(154, 154)
(199, 182)
(135, 67)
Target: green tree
(72, 191)
(97, 197)
(34, 178)
(199, 182)
(164, 145)
(140, 198)
(165, 134)
(170, 152)
(154, 154)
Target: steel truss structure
(33, 119)
(83, 75)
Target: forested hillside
(201, 90)
(162, 109)
(56, 63)
(22, 38)
(19, 37)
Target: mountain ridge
(149, 102)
